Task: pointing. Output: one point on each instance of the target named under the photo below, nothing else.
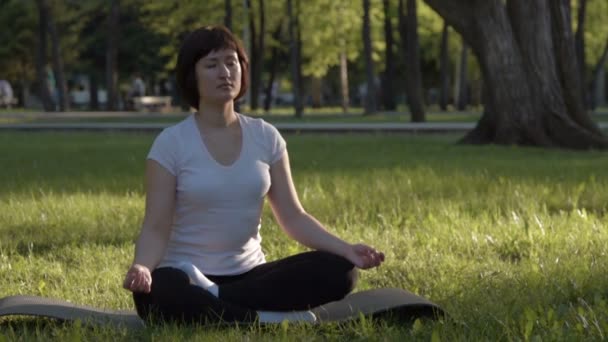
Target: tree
(258, 46)
(58, 71)
(526, 52)
(388, 93)
(462, 93)
(444, 63)
(596, 47)
(228, 14)
(294, 47)
(598, 82)
(579, 43)
(370, 93)
(17, 51)
(333, 39)
(41, 60)
(409, 35)
(111, 54)
(274, 61)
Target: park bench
(8, 103)
(152, 103)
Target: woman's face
(218, 76)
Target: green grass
(511, 242)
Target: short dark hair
(198, 44)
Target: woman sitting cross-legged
(198, 257)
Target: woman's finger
(128, 282)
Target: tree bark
(295, 60)
(463, 80)
(228, 14)
(111, 53)
(316, 91)
(62, 89)
(344, 81)
(599, 89)
(93, 89)
(599, 77)
(257, 51)
(388, 91)
(273, 68)
(444, 64)
(522, 49)
(413, 84)
(41, 57)
(579, 43)
(370, 94)
(571, 82)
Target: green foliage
(173, 19)
(596, 30)
(510, 241)
(328, 28)
(17, 49)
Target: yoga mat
(387, 302)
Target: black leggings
(298, 282)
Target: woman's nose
(224, 70)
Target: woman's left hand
(364, 256)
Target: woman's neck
(216, 116)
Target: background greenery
(511, 242)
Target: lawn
(511, 242)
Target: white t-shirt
(216, 222)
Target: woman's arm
(156, 228)
(304, 228)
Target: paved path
(426, 127)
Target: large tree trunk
(228, 14)
(41, 58)
(388, 90)
(599, 80)
(572, 85)
(526, 53)
(413, 82)
(444, 64)
(62, 88)
(111, 52)
(295, 59)
(370, 93)
(463, 79)
(579, 43)
(344, 81)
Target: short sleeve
(276, 143)
(164, 151)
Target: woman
(198, 257)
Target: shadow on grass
(26, 240)
(114, 162)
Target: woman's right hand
(138, 279)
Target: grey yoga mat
(388, 302)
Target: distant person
(138, 89)
(199, 256)
(6, 94)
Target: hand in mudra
(364, 256)
(138, 279)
